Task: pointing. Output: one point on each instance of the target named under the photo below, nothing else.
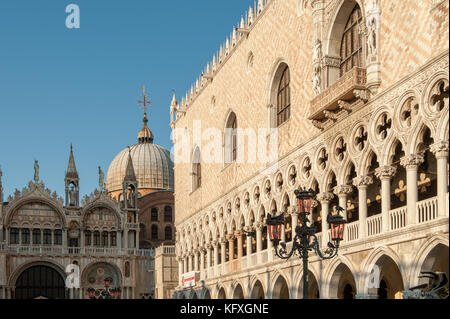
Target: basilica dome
(152, 164)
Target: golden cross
(145, 100)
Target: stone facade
(373, 140)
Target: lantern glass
(337, 231)
(275, 232)
(304, 205)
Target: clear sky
(60, 86)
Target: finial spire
(71, 167)
(145, 135)
(130, 176)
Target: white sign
(190, 278)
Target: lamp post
(107, 293)
(305, 239)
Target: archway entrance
(257, 291)
(222, 294)
(391, 283)
(40, 282)
(342, 284)
(238, 293)
(313, 287)
(436, 261)
(280, 289)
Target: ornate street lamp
(305, 239)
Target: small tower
(130, 190)
(72, 183)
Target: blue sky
(60, 86)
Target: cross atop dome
(145, 135)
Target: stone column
(208, 256)
(441, 150)
(230, 238)
(270, 248)
(294, 217)
(249, 243)
(20, 236)
(82, 238)
(223, 247)
(216, 252)
(385, 174)
(196, 261)
(185, 264)
(342, 192)
(411, 163)
(180, 269)
(189, 259)
(238, 235)
(202, 259)
(259, 227)
(325, 199)
(362, 182)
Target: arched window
(168, 233)
(14, 236)
(96, 238)
(168, 214)
(105, 239)
(87, 236)
(284, 98)
(196, 170)
(113, 239)
(25, 236)
(154, 232)
(352, 43)
(58, 237)
(47, 237)
(154, 214)
(36, 236)
(231, 139)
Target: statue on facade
(72, 194)
(131, 197)
(101, 178)
(372, 37)
(317, 80)
(36, 171)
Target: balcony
(31, 250)
(344, 89)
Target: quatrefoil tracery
(383, 127)
(361, 138)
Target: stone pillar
(249, 242)
(342, 192)
(325, 199)
(270, 248)
(82, 238)
(208, 256)
(362, 182)
(20, 236)
(185, 264)
(238, 235)
(196, 261)
(294, 217)
(259, 226)
(441, 150)
(223, 247)
(189, 259)
(125, 239)
(216, 253)
(64, 237)
(385, 174)
(180, 270)
(411, 163)
(230, 239)
(202, 259)
(118, 238)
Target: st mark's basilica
(114, 236)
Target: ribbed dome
(152, 165)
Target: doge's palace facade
(358, 92)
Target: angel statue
(101, 177)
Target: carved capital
(440, 149)
(259, 225)
(223, 240)
(248, 229)
(325, 197)
(385, 172)
(362, 181)
(238, 233)
(412, 161)
(293, 210)
(343, 190)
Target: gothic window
(284, 98)
(58, 237)
(352, 43)
(113, 239)
(14, 236)
(36, 236)
(26, 236)
(231, 139)
(87, 236)
(127, 269)
(168, 233)
(47, 237)
(105, 239)
(154, 232)
(154, 214)
(168, 214)
(196, 170)
(96, 238)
